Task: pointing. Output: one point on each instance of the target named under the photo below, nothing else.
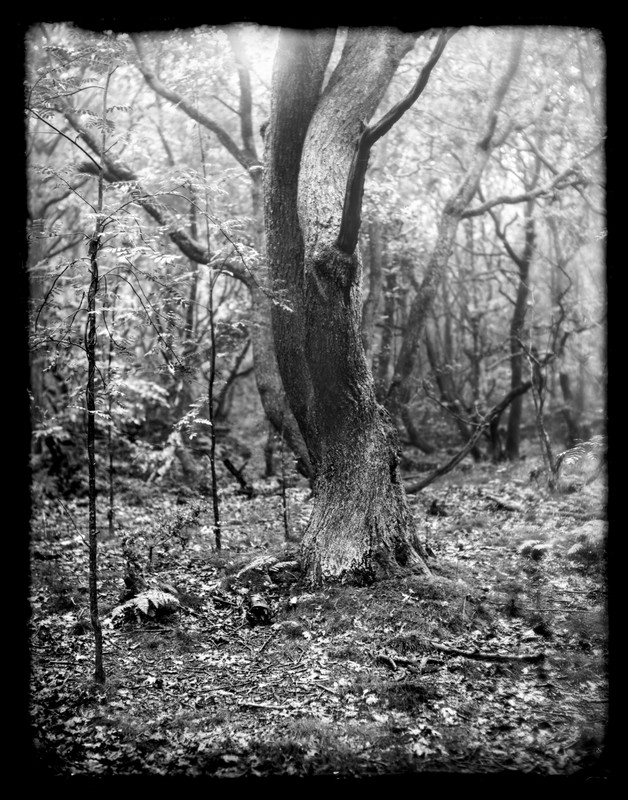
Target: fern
(584, 454)
(591, 543)
(150, 604)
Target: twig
(266, 643)
(502, 503)
(386, 660)
(326, 688)
(271, 706)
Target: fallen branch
(475, 654)
(418, 666)
(246, 489)
(496, 411)
(502, 503)
(270, 706)
(326, 688)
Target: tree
(317, 151)
(519, 110)
(522, 261)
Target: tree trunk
(574, 434)
(517, 329)
(516, 363)
(269, 383)
(372, 301)
(360, 528)
(382, 368)
(416, 440)
(448, 393)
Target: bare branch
(244, 157)
(561, 181)
(351, 214)
(246, 104)
(116, 171)
(375, 132)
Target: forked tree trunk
(360, 528)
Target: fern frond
(590, 451)
(147, 605)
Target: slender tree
(95, 246)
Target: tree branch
(244, 157)
(559, 182)
(115, 171)
(369, 135)
(246, 104)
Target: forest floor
(226, 666)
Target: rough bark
(297, 80)
(360, 528)
(373, 298)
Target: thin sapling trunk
(538, 394)
(212, 427)
(95, 244)
(212, 369)
(111, 472)
(90, 402)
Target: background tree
(525, 115)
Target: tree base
(361, 529)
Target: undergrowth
(497, 661)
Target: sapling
(95, 246)
(213, 275)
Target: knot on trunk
(332, 264)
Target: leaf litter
(226, 665)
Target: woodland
(317, 400)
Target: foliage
(587, 455)
(152, 604)
(154, 318)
